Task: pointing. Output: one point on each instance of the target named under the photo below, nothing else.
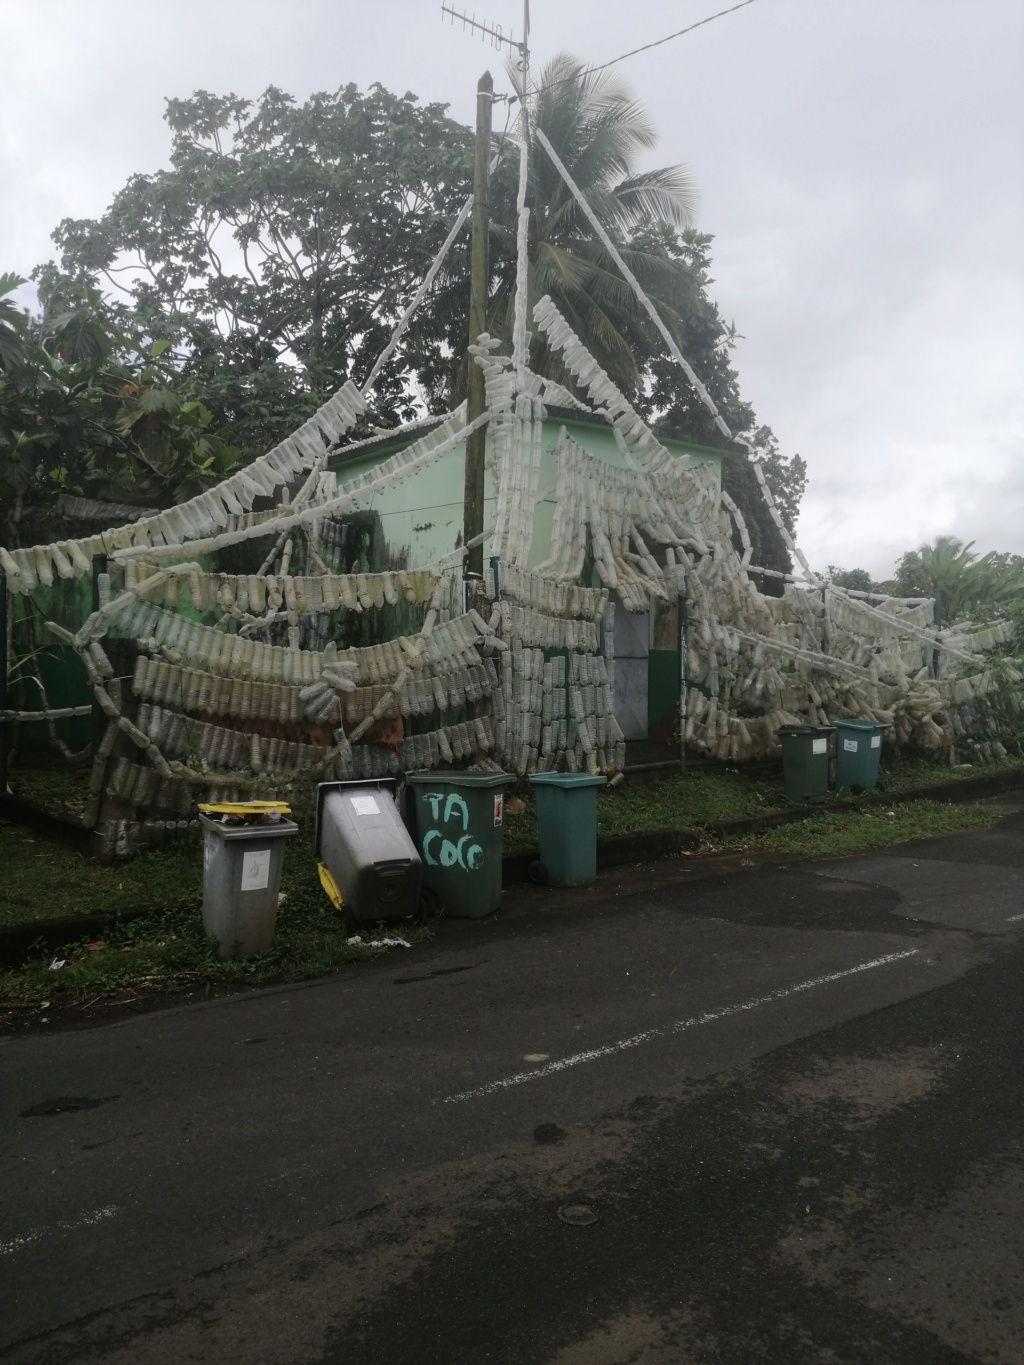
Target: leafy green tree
(859, 580)
(88, 410)
(276, 250)
(786, 477)
(598, 129)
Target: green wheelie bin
(459, 821)
(805, 760)
(858, 749)
(567, 826)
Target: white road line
(1013, 918)
(37, 1234)
(649, 1035)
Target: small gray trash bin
(241, 881)
(364, 845)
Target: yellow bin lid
(245, 808)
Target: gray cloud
(860, 167)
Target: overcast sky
(859, 164)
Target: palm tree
(959, 580)
(598, 129)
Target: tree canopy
(857, 580)
(88, 410)
(961, 582)
(598, 129)
(276, 250)
(269, 261)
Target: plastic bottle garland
(530, 688)
(525, 677)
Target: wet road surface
(775, 1115)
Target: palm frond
(669, 193)
(9, 281)
(13, 323)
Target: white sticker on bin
(850, 745)
(876, 741)
(256, 870)
(365, 805)
(819, 746)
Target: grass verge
(167, 950)
(904, 774)
(42, 879)
(53, 784)
(695, 800)
(832, 835)
(687, 801)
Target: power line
(590, 70)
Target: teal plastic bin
(459, 832)
(858, 749)
(805, 760)
(567, 825)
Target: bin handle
(330, 886)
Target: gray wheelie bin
(242, 856)
(373, 869)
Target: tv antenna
(492, 32)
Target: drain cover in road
(578, 1215)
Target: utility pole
(476, 442)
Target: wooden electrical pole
(473, 518)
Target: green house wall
(422, 522)
(423, 516)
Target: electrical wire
(592, 70)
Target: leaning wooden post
(473, 510)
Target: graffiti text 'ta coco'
(440, 848)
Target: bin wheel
(537, 873)
(429, 906)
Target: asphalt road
(774, 1115)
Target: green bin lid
(456, 779)
(806, 729)
(568, 779)
(865, 725)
